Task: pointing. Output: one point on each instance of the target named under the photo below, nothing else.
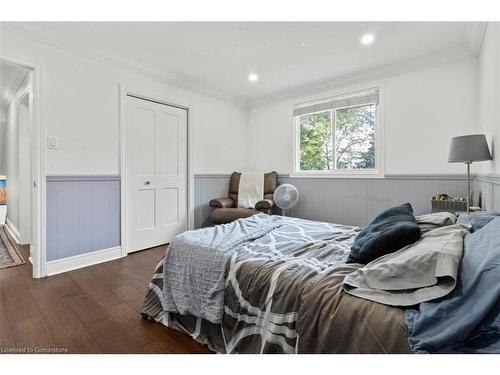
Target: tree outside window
(338, 139)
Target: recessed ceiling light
(302, 44)
(252, 77)
(367, 39)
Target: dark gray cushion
(390, 231)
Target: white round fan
(286, 196)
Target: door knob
(147, 183)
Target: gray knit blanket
(195, 265)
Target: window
(338, 136)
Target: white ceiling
(286, 55)
(10, 76)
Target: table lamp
(466, 149)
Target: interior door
(156, 164)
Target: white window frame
(377, 172)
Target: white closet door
(156, 164)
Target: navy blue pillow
(390, 231)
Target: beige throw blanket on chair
(250, 189)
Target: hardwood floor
(90, 310)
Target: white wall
(423, 110)
(488, 77)
(16, 156)
(81, 107)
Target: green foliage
(316, 142)
(354, 139)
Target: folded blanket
(195, 264)
(250, 189)
(420, 272)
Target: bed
(282, 294)
(272, 284)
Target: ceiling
(10, 78)
(286, 55)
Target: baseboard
(83, 260)
(13, 231)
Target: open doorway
(17, 212)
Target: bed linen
(435, 220)
(267, 280)
(332, 321)
(420, 272)
(468, 319)
(477, 219)
(196, 262)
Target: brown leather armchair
(225, 209)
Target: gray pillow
(477, 219)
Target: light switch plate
(52, 142)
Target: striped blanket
(266, 280)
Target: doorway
(155, 170)
(19, 159)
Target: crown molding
(441, 57)
(474, 35)
(124, 64)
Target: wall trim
(121, 63)
(38, 162)
(492, 178)
(13, 231)
(405, 176)
(83, 177)
(83, 260)
(471, 47)
(441, 57)
(427, 176)
(213, 175)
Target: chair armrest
(222, 203)
(264, 204)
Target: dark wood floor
(90, 310)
